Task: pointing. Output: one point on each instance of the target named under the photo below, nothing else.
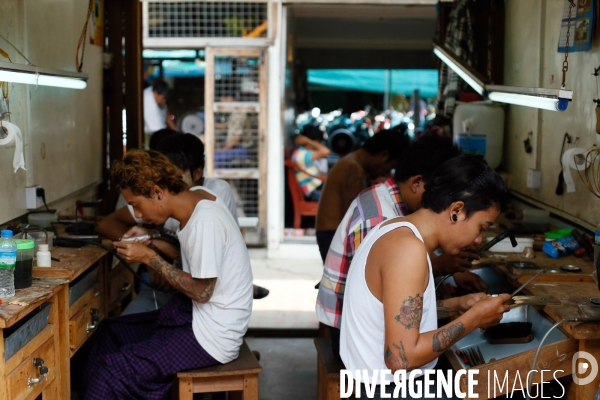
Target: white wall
(62, 128)
(531, 59)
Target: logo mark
(581, 367)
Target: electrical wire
(539, 348)
(442, 281)
(81, 42)
(17, 50)
(591, 175)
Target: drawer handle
(126, 287)
(95, 320)
(38, 362)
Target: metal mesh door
(236, 127)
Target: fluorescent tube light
(546, 103)
(19, 73)
(547, 99)
(460, 68)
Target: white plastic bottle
(43, 256)
(8, 259)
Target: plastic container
(8, 259)
(505, 246)
(40, 238)
(24, 265)
(560, 247)
(479, 129)
(558, 234)
(42, 219)
(44, 258)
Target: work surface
(73, 262)
(14, 308)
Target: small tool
(140, 237)
(517, 301)
(526, 283)
(463, 356)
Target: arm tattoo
(402, 354)
(391, 360)
(444, 338)
(411, 312)
(196, 289)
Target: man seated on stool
(398, 196)
(137, 356)
(311, 155)
(186, 152)
(350, 176)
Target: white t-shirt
(217, 187)
(155, 116)
(212, 246)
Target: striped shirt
(372, 206)
(303, 158)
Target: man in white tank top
(389, 318)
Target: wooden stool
(240, 376)
(328, 371)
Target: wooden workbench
(551, 267)
(104, 288)
(574, 290)
(575, 298)
(17, 370)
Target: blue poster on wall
(580, 32)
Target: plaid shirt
(372, 206)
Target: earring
(160, 197)
(454, 217)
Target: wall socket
(534, 178)
(32, 200)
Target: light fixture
(547, 99)
(28, 74)
(461, 68)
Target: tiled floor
(289, 368)
(289, 364)
(290, 274)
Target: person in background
(239, 138)
(390, 287)
(137, 356)
(350, 175)
(311, 155)
(186, 152)
(156, 115)
(398, 196)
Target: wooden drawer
(554, 357)
(120, 284)
(18, 381)
(82, 324)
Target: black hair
(186, 151)
(423, 156)
(465, 178)
(312, 132)
(390, 140)
(161, 87)
(159, 135)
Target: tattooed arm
(196, 289)
(397, 274)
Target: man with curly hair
(138, 355)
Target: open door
(236, 130)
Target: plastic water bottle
(8, 259)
